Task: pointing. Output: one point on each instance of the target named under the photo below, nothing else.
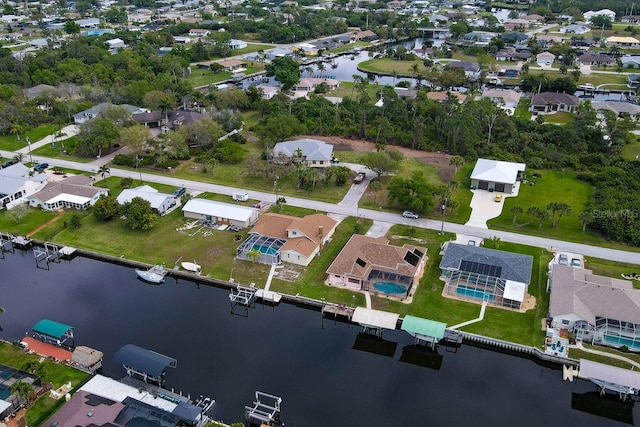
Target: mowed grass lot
(389, 65)
(202, 77)
(553, 186)
(595, 79)
(63, 149)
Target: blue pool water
(266, 250)
(475, 293)
(390, 288)
(612, 339)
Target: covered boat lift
(426, 330)
(147, 364)
(607, 377)
(53, 332)
(374, 321)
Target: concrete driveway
(484, 207)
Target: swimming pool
(616, 340)
(266, 250)
(390, 288)
(468, 291)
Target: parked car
(40, 167)
(234, 228)
(409, 214)
(7, 164)
(178, 192)
(563, 259)
(359, 178)
(498, 198)
(575, 262)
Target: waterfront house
(597, 309)
(471, 69)
(496, 175)
(503, 98)
(621, 109)
(74, 192)
(476, 38)
(309, 84)
(289, 239)
(372, 264)
(232, 65)
(366, 35)
(213, 212)
(160, 202)
(311, 152)
(552, 102)
(486, 275)
(444, 96)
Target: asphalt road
(353, 210)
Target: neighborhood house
(496, 175)
(220, 213)
(15, 184)
(285, 238)
(159, 202)
(75, 192)
(311, 152)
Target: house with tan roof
(232, 65)
(288, 239)
(622, 42)
(372, 264)
(443, 96)
(597, 309)
(75, 192)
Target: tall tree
(586, 217)
(379, 162)
(286, 71)
(515, 210)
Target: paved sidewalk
(67, 131)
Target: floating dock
(268, 296)
(68, 252)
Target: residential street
(352, 209)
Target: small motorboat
(192, 267)
(153, 275)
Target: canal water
(325, 371)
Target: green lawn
(560, 118)
(10, 142)
(349, 46)
(201, 77)
(348, 89)
(632, 151)
(608, 268)
(566, 188)
(594, 78)
(64, 150)
(389, 65)
(33, 219)
(57, 374)
(522, 110)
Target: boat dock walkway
(468, 322)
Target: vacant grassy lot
(594, 78)
(202, 77)
(560, 118)
(63, 149)
(552, 186)
(389, 66)
(10, 223)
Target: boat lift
(374, 321)
(244, 296)
(6, 244)
(624, 382)
(46, 255)
(265, 409)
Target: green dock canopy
(52, 329)
(425, 327)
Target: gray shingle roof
(516, 267)
(579, 291)
(312, 149)
(545, 98)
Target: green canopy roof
(426, 327)
(51, 328)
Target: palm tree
(18, 158)
(104, 170)
(565, 209)
(586, 217)
(15, 129)
(515, 210)
(164, 105)
(321, 68)
(415, 69)
(456, 161)
(553, 207)
(22, 390)
(494, 242)
(543, 216)
(254, 254)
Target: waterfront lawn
(201, 77)
(578, 354)
(33, 219)
(215, 251)
(388, 66)
(522, 328)
(347, 89)
(595, 79)
(54, 373)
(310, 284)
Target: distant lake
(290, 352)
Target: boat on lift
(153, 275)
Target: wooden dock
(338, 310)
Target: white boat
(153, 275)
(192, 267)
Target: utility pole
(444, 211)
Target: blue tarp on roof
(51, 328)
(144, 360)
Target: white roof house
(221, 213)
(602, 12)
(76, 192)
(160, 202)
(314, 153)
(496, 175)
(116, 391)
(16, 184)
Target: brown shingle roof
(362, 254)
